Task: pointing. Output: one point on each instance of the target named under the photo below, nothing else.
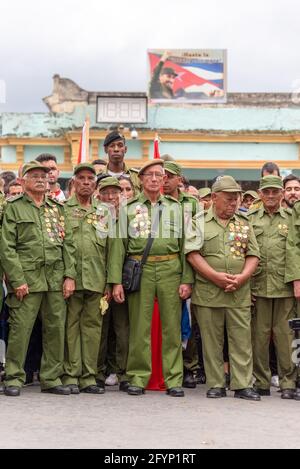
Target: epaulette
(16, 197)
(253, 210)
(169, 197)
(134, 170)
(134, 199)
(52, 199)
(189, 196)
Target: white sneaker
(275, 381)
(111, 380)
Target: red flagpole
(156, 382)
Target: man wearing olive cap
(224, 263)
(205, 197)
(115, 148)
(166, 276)
(115, 326)
(38, 257)
(274, 299)
(83, 328)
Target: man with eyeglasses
(115, 148)
(115, 321)
(37, 255)
(166, 275)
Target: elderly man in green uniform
(223, 265)
(190, 205)
(274, 299)
(83, 325)
(116, 317)
(37, 255)
(166, 276)
(115, 148)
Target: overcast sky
(102, 45)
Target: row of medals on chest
(55, 223)
(238, 238)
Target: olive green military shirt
(133, 231)
(271, 232)
(292, 268)
(225, 250)
(91, 249)
(37, 245)
(2, 206)
(131, 173)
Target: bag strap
(152, 233)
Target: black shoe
(135, 390)
(200, 377)
(288, 394)
(61, 390)
(216, 392)
(101, 384)
(123, 386)
(93, 389)
(188, 380)
(175, 392)
(247, 393)
(262, 392)
(12, 391)
(73, 388)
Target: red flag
(156, 147)
(156, 382)
(83, 154)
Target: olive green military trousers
(238, 323)
(116, 320)
(22, 315)
(190, 354)
(83, 333)
(271, 315)
(161, 280)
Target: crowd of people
(232, 257)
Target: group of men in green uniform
(62, 260)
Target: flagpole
(87, 138)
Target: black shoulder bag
(133, 269)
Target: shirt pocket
(26, 231)
(211, 244)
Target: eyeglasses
(151, 175)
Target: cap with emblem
(271, 181)
(109, 182)
(82, 166)
(226, 184)
(252, 194)
(204, 192)
(173, 167)
(34, 165)
(112, 136)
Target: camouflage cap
(82, 166)
(34, 165)
(204, 192)
(252, 194)
(271, 181)
(226, 184)
(112, 136)
(109, 181)
(149, 164)
(173, 168)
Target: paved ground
(155, 420)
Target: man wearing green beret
(115, 148)
(190, 205)
(274, 299)
(166, 276)
(115, 326)
(224, 262)
(38, 257)
(88, 221)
